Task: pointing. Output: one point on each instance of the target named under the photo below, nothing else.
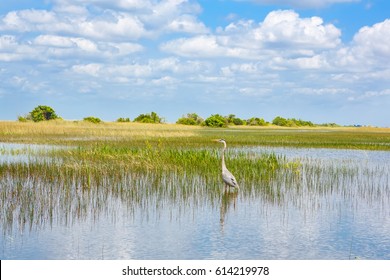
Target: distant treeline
(218, 120)
(43, 113)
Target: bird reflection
(228, 200)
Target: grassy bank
(135, 134)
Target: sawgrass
(84, 133)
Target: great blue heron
(227, 177)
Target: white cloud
(373, 42)
(108, 21)
(287, 28)
(371, 95)
(155, 69)
(65, 42)
(205, 46)
(28, 20)
(283, 30)
(12, 50)
(369, 50)
(92, 69)
(302, 3)
(186, 24)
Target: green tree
(256, 121)
(149, 118)
(190, 119)
(216, 121)
(279, 121)
(291, 122)
(123, 120)
(232, 119)
(92, 119)
(42, 113)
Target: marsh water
(334, 204)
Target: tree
(256, 121)
(232, 119)
(149, 118)
(216, 121)
(123, 120)
(190, 119)
(291, 122)
(92, 119)
(42, 113)
(279, 121)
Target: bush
(279, 121)
(256, 121)
(123, 120)
(92, 119)
(190, 119)
(42, 113)
(232, 119)
(291, 122)
(216, 121)
(23, 119)
(149, 118)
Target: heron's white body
(227, 176)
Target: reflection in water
(228, 199)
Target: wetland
(74, 190)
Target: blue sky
(318, 60)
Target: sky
(326, 61)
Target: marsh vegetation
(65, 174)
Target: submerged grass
(100, 168)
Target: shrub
(256, 121)
(92, 119)
(216, 121)
(23, 119)
(149, 118)
(42, 113)
(123, 120)
(190, 119)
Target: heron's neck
(223, 157)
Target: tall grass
(134, 134)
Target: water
(336, 207)
(16, 152)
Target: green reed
(83, 181)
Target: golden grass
(62, 131)
(77, 132)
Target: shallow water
(337, 207)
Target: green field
(136, 134)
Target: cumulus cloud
(12, 50)
(369, 49)
(301, 3)
(113, 26)
(288, 29)
(117, 20)
(372, 42)
(153, 68)
(283, 29)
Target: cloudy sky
(318, 60)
